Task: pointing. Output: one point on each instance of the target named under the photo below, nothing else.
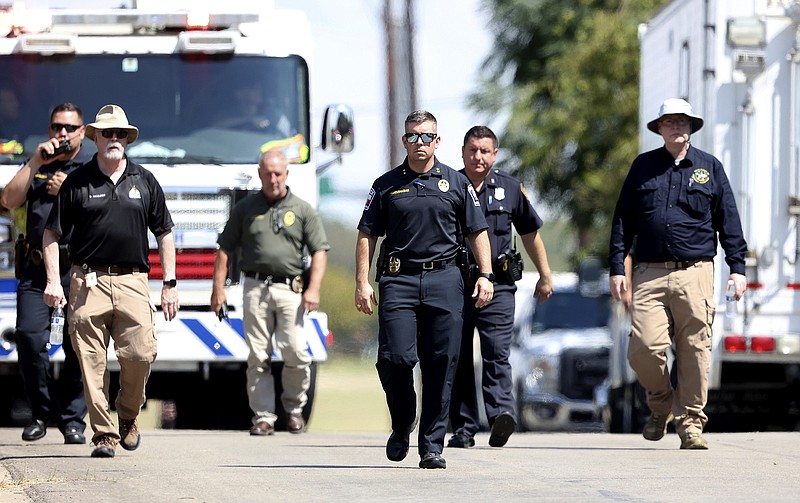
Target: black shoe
(397, 446)
(432, 460)
(73, 435)
(461, 440)
(502, 428)
(34, 431)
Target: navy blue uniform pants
(420, 321)
(60, 400)
(495, 324)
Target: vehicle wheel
(627, 410)
(14, 407)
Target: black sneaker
(461, 441)
(432, 460)
(502, 428)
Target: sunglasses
(56, 127)
(277, 220)
(414, 137)
(110, 133)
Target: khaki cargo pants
(673, 307)
(117, 308)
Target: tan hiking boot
(656, 427)
(129, 434)
(694, 441)
(104, 447)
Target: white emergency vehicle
(738, 63)
(209, 91)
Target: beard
(114, 155)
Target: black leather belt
(680, 264)
(264, 276)
(114, 270)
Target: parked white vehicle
(560, 352)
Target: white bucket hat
(112, 117)
(669, 107)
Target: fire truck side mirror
(337, 129)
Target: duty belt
(394, 265)
(680, 264)
(113, 270)
(296, 283)
(265, 276)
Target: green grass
(349, 397)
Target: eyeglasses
(110, 133)
(414, 137)
(675, 122)
(277, 220)
(56, 127)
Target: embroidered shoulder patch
(701, 175)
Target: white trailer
(179, 75)
(736, 62)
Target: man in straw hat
(108, 207)
(676, 201)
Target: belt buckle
(394, 265)
(427, 266)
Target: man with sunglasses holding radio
(108, 206)
(271, 229)
(37, 183)
(422, 207)
(504, 203)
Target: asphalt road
(228, 467)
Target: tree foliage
(567, 74)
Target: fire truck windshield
(189, 109)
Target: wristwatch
(487, 275)
(171, 283)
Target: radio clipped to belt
(508, 266)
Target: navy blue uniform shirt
(421, 214)
(40, 202)
(109, 222)
(504, 203)
(676, 212)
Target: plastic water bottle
(731, 307)
(57, 326)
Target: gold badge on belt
(297, 284)
(394, 265)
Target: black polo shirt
(109, 222)
(676, 212)
(40, 202)
(422, 214)
(505, 202)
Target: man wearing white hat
(676, 201)
(108, 206)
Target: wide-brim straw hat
(112, 117)
(674, 106)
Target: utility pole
(401, 96)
